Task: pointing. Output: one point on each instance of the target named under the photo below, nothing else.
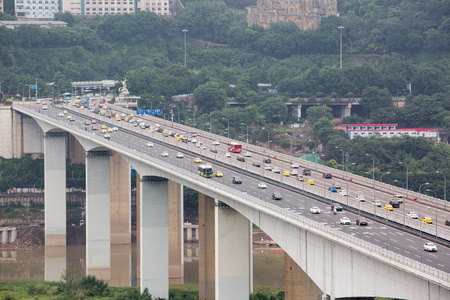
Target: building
(369, 126)
(36, 9)
(47, 24)
(160, 7)
(306, 14)
(1, 6)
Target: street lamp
(435, 197)
(315, 151)
(404, 216)
(1, 85)
(387, 223)
(23, 91)
(445, 189)
(420, 218)
(381, 182)
(247, 133)
(340, 56)
(184, 30)
(342, 156)
(352, 164)
(402, 163)
(268, 141)
(164, 114)
(373, 174)
(228, 127)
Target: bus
(235, 147)
(205, 171)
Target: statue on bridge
(123, 91)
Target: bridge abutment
(176, 233)
(297, 284)
(98, 223)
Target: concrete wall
(33, 141)
(6, 145)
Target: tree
(274, 109)
(374, 98)
(353, 119)
(314, 113)
(210, 96)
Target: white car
(295, 166)
(360, 198)
(247, 154)
(294, 172)
(227, 154)
(180, 155)
(268, 168)
(430, 247)
(343, 193)
(60, 115)
(165, 154)
(315, 210)
(44, 107)
(262, 185)
(412, 215)
(276, 170)
(376, 203)
(194, 140)
(216, 143)
(149, 144)
(345, 221)
(115, 129)
(203, 147)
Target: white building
(428, 133)
(36, 9)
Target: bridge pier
(154, 245)
(55, 188)
(98, 223)
(176, 232)
(297, 284)
(55, 263)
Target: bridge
(322, 257)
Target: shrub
(36, 289)
(8, 296)
(93, 286)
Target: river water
(38, 263)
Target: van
(398, 198)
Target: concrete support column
(154, 250)
(12, 235)
(207, 247)
(55, 188)
(55, 263)
(189, 234)
(233, 254)
(98, 223)
(138, 225)
(121, 272)
(346, 110)
(299, 111)
(120, 200)
(297, 284)
(4, 236)
(176, 232)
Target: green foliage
(314, 113)
(93, 286)
(353, 119)
(332, 164)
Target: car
(430, 247)
(165, 154)
(343, 193)
(268, 168)
(103, 131)
(94, 127)
(194, 141)
(337, 185)
(412, 215)
(399, 198)
(394, 203)
(87, 123)
(256, 165)
(361, 222)
(295, 166)
(336, 207)
(71, 119)
(60, 115)
(267, 160)
(276, 170)
(203, 147)
(327, 175)
(65, 112)
(115, 129)
(314, 210)
(218, 174)
(227, 154)
(149, 144)
(360, 198)
(345, 221)
(447, 222)
(241, 158)
(213, 150)
(388, 207)
(38, 102)
(294, 172)
(286, 173)
(44, 107)
(376, 203)
(262, 185)
(247, 154)
(104, 126)
(237, 180)
(277, 196)
(110, 129)
(332, 189)
(197, 160)
(217, 143)
(427, 220)
(301, 178)
(179, 155)
(310, 181)
(307, 172)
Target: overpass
(338, 263)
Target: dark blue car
(332, 189)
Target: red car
(361, 222)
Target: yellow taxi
(164, 131)
(286, 173)
(81, 107)
(104, 131)
(197, 160)
(131, 116)
(103, 126)
(310, 181)
(219, 174)
(388, 207)
(110, 129)
(427, 220)
(105, 107)
(117, 116)
(65, 112)
(77, 101)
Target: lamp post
(402, 163)
(164, 114)
(420, 218)
(228, 128)
(315, 151)
(435, 197)
(185, 31)
(373, 174)
(268, 141)
(404, 216)
(1, 85)
(445, 189)
(247, 133)
(387, 222)
(346, 168)
(340, 52)
(342, 156)
(23, 92)
(381, 182)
